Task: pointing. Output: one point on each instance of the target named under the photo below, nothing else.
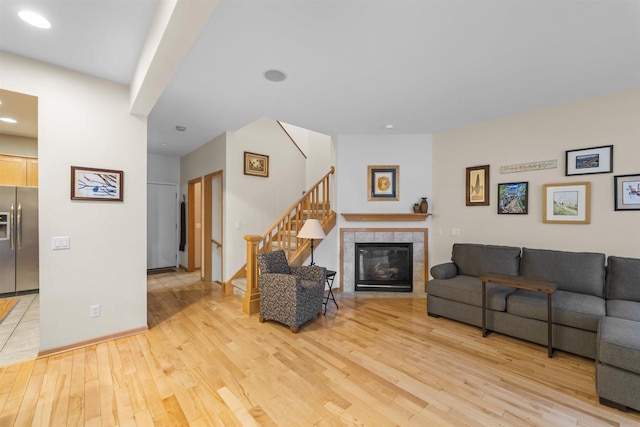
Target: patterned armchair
(289, 295)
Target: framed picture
(256, 164)
(566, 203)
(96, 184)
(627, 192)
(589, 160)
(383, 182)
(478, 186)
(513, 198)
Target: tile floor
(20, 331)
(171, 280)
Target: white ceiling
(352, 66)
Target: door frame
(208, 226)
(191, 223)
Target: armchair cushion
(273, 262)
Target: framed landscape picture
(477, 193)
(96, 184)
(627, 192)
(383, 182)
(589, 161)
(566, 203)
(513, 198)
(256, 164)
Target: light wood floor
(373, 362)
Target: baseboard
(93, 341)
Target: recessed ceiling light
(388, 127)
(8, 120)
(34, 19)
(181, 128)
(274, 75)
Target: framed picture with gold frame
(566, 203)
(383, 182)
(477, 193)
(256, 164)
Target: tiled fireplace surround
(350, 236)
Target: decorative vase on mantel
(416, 208)
(424, 205)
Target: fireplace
(384, 267)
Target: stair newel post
(251, 301)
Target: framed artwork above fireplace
(383, 182)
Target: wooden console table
(520, 282)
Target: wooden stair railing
(316, 203)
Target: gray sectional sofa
(618, 352)
(586, 321)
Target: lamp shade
(311, 230)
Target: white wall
(253, 203)
(207, 159)
(317, 149)
(85, 121)
(319, 159)
(163, 168)
(354, 153)
(18, 145)
(536, 136)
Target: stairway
(282, 234)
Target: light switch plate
(58, 243)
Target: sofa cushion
(567, 308)
(478, 260)
(624, 309)
(468, 290)
(619, 343)
(581, 272)
(623, 278)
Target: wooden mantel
(385, 216)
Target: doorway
(204, 227)
(213, 230)
(19, 239)
(194, 225)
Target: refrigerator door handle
(19, 227)
(11, 243)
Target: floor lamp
(311, 230)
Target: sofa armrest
(444, 271)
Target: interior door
(162, 225)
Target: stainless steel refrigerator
(18, 239)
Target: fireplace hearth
(384, 267)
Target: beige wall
(541, 135)
(85, 121)
(18, 145)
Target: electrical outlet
(94, 310)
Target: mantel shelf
(385, 216)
